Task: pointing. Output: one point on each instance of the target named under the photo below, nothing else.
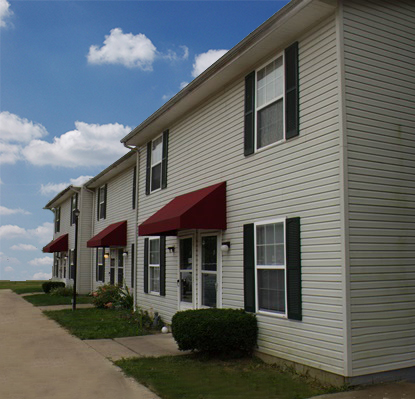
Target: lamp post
(75, 258)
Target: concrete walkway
(39, 359)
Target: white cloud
(45, 261)
(16, 129)
(52, 188)
(8, 259)
(87, 145)
(43, 233)
(183, 85)
(8, 211)
(205, 60)
(9, 153)
(42, 276)
(173, 56)
(132, 51)
(23, 247)
(8, 269)
(12, 231)
(5, 12)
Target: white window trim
(283, 140)
(264, 312)
(218, 272)
(150, 266)
(185, 305)
(152, 165)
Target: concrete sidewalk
(39, 359)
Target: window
(102, 202)
(57, 219)
(156, 177)
(272, 268)
(100, 265)
(271, 102)
(154, 264)
(74, 206)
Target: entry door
(209, 276)
(186, 273)
(112, 268)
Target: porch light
(125, 254)
(225, 247)
(106, 255)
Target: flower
(108, 305)
(95, 294)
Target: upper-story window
(157, 149)
(102, 202)
(57, 219)
(271, 102)
(74, 206)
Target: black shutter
(134, 186)
(146, 265)
(105, 201)
(291, 92)
(164, 159)
(103, 266)
(98, 200)
(69, 266)
(249, 268)
(163, 265)
(249, 145)
(120, 268)
(132, 265)
(96, 265)
(293, 252)
(148, 168)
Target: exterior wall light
(125, 254)
(106, 255)
(171, 249)
(225, 247)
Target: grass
(22, 287)
(196, 377)
(48, 300)
(96, 323)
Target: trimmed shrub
(47, 286)
(61, 291)
(216, 331)
(106, 296)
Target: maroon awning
(115, 235)
(58, 245)
(201, 209)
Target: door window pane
(209, 290)
(186, 287)
(186, 253)
(209, 253)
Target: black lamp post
(75, 257)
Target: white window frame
(102, 251)
(152, 165)
(101, 201)
(271, 267)
(193, 270)
(257, 109)
(152, 266)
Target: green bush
(47, 286)
(106, 296)
(61, 291)
(229, 332)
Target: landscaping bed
(198, 377)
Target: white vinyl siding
(380, 69)
(304, 177)
(118, 209)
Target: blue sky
(76, 77)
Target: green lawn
(96, 323)
(195, 377)
(22, 287)
(47, 299)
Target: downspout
(91, 253)
(137, 177)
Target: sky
(78, 76)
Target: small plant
(47, 286)
(105, 295)
(228, 332)
(126, 300)
(61, 291)
(148, 320)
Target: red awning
(58, 245)
(115, 235)
(201, 209)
